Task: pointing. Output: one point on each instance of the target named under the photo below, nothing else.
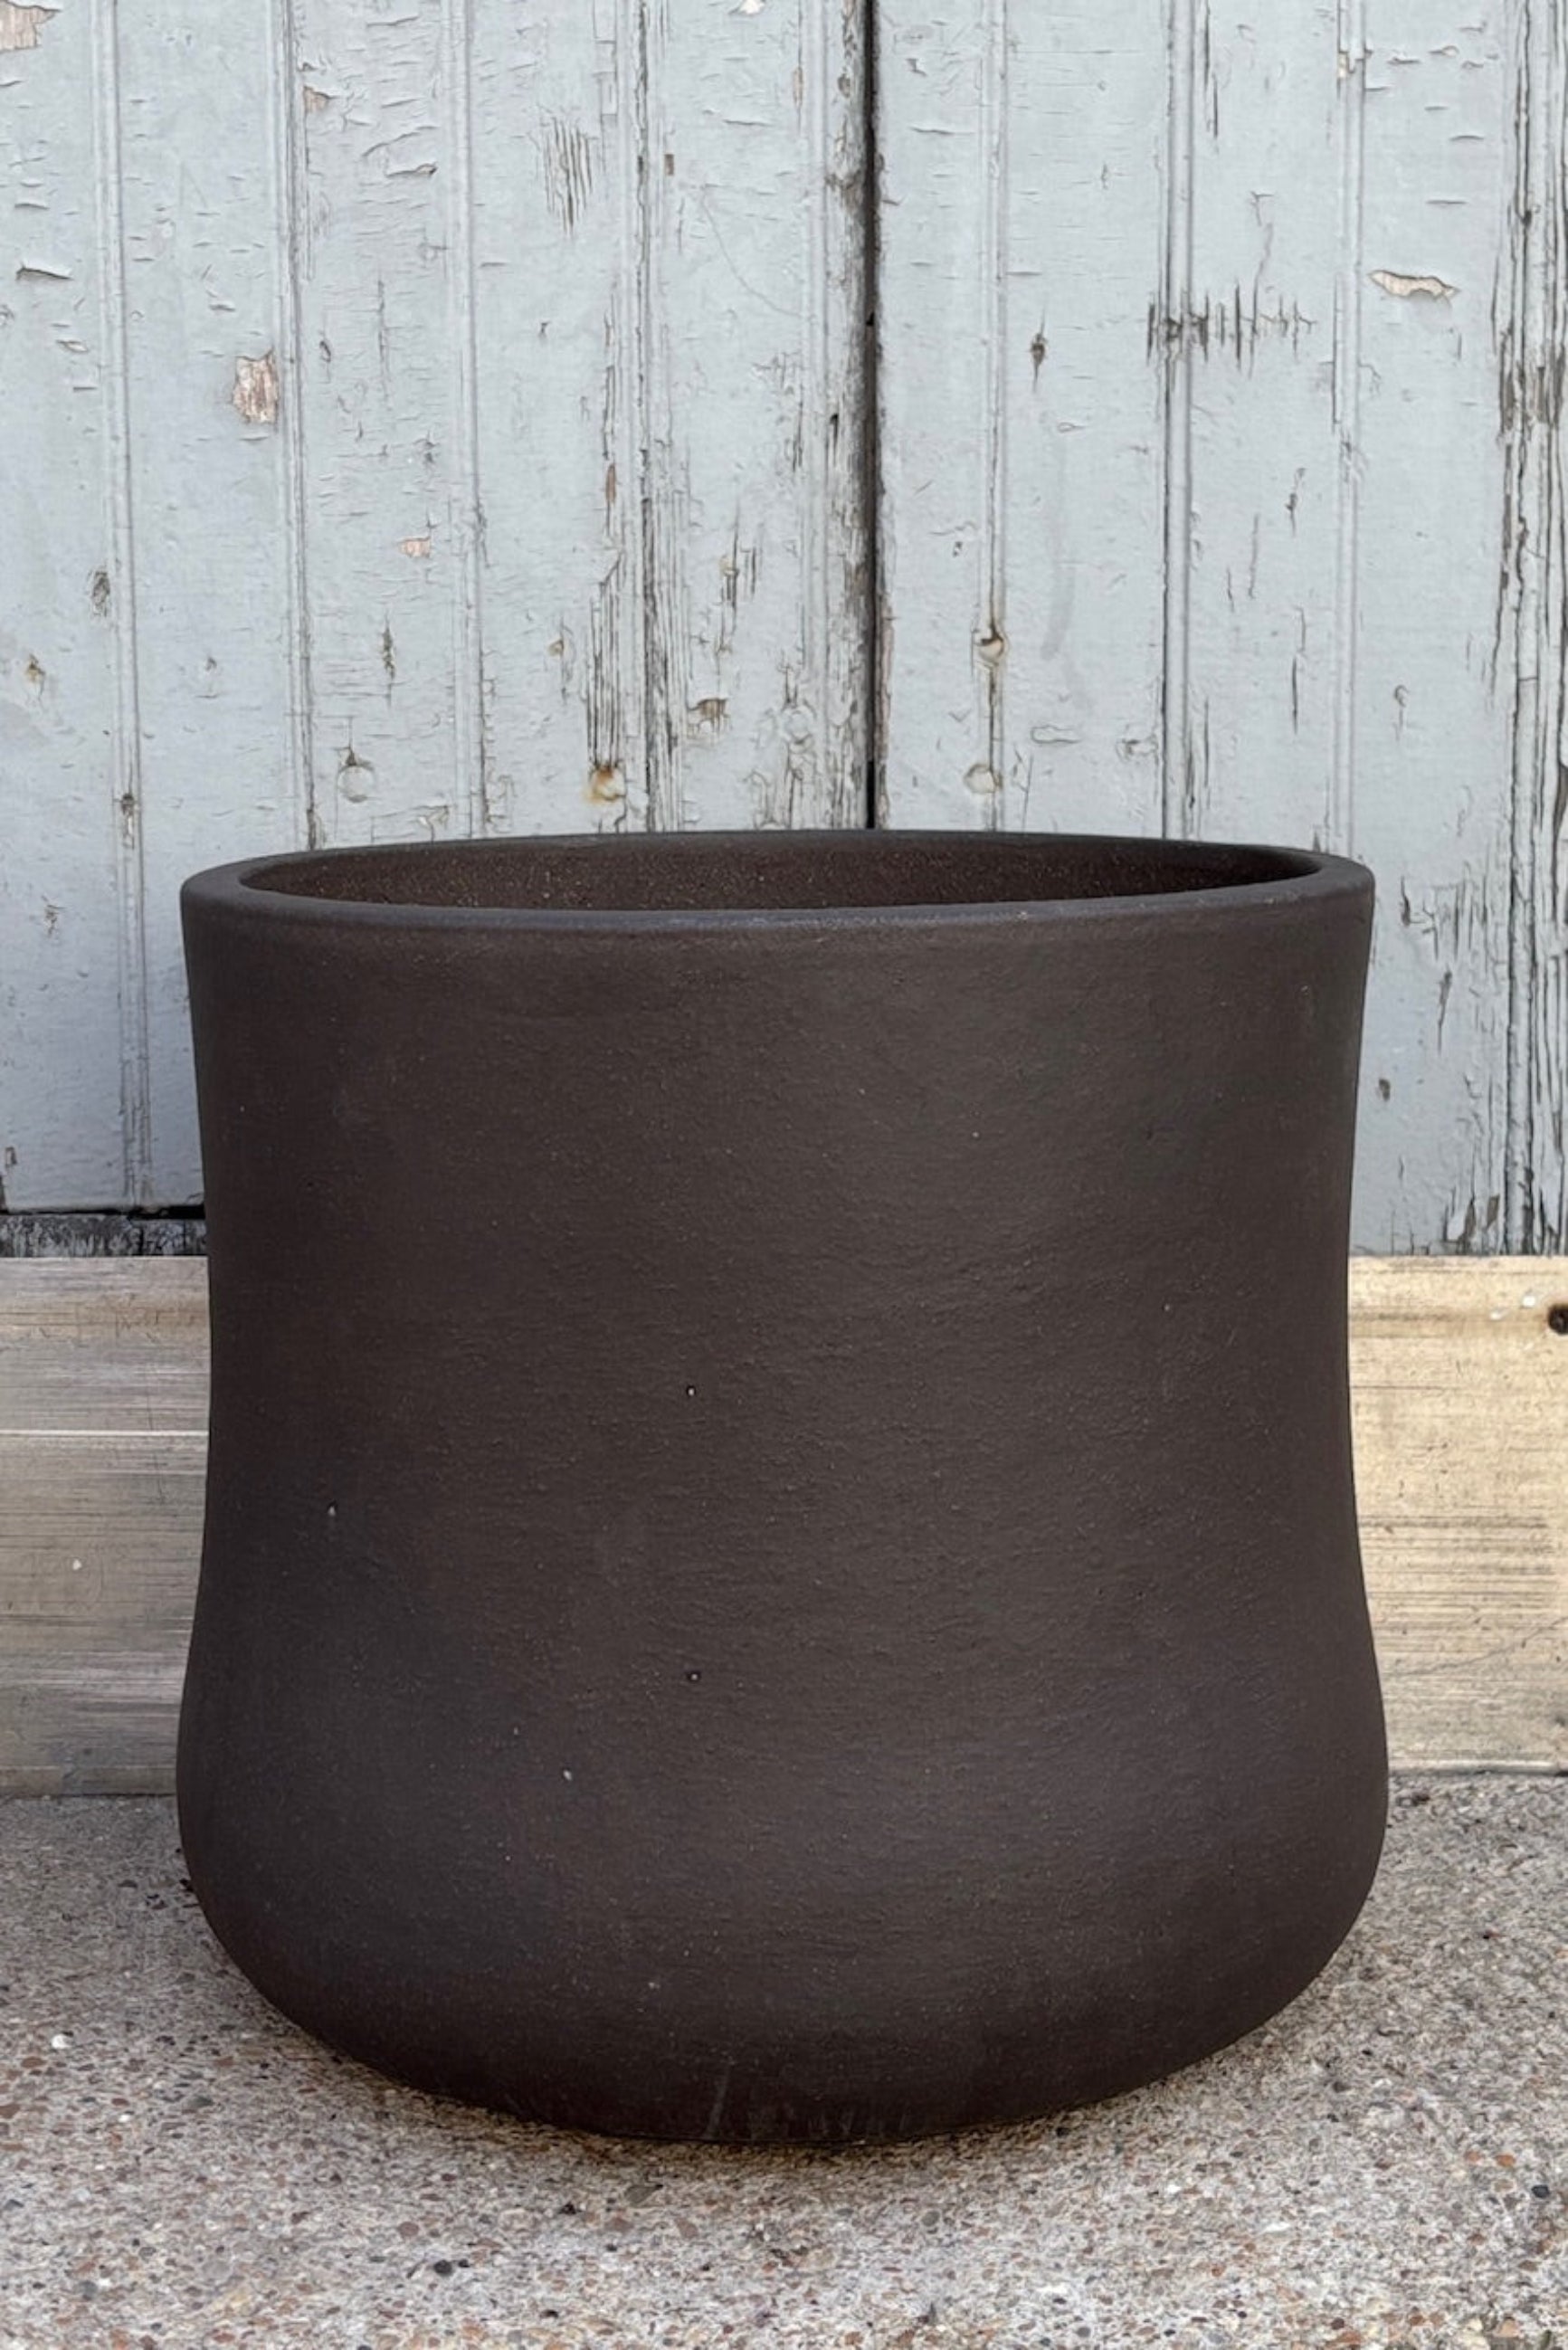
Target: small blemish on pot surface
(691, 1391)
(693, 1673)
(566, 1775)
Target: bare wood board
(1460, 1388)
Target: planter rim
(257, 889)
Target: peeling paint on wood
(1293, 593)
(62, 1139)
(1433, 289)
(486, 392)
(255, 392)
(1531, 310)
(1024, 439)
(22, 27)
(677, 199)
(362, 371)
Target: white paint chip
(1433, 289)
(20, 27)
(255, 392)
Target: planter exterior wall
(826, 1603)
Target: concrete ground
(1386, 2164)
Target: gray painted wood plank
(1336, 478)
(1530, 306)
(376, 434)
(1023, 412)
(1429, 697)
(72, 1123)
(358, 528)
(667, 292)
(208, 493)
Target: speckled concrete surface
(1384, 2165)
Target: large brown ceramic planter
(781, 1558)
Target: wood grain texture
(102, 1451)
(1460, 1388)
(1317, 262)
(424, 418)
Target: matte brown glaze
(781, 1559)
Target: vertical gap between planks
(1530, 296)
(470, 729)
(626, 359)
(878, 679)
(1353, 52)
(661, 727)
(1518, 327)
(1521, 293)
(815, 390)
(135, 1037)
(991, 636)
(292, 198)
(1179, 795)
(1549, 1232)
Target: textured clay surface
(828, 1607)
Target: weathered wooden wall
(420, 416)
(443, 415)
(1222, 358)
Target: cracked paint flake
(1405, 289)
(255, 392)
(20, 27)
